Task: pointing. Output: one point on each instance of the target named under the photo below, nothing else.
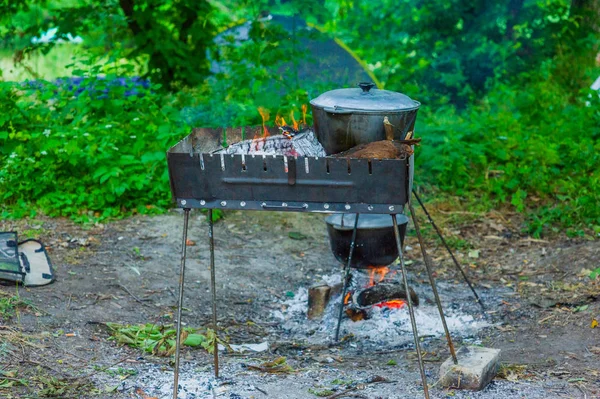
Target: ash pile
(384, 326)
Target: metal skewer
(411, 310)
(186, 216)
(439, 233)
(429, 268)
(213, 289)
(346, 274)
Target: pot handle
(366, 86)
(332, 110)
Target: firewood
(318, 298)
(383, 292)
(389, 129)
(384, 149)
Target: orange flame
(304, 109)
(264, 114)
(376, 275)
(377, 272)
(295, 123)
(279, 121)
(347, 298)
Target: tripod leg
(346, 274)
(429, 268)
(186, 217)
(213, 289)
(439, 233)
(411, 310)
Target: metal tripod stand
(428, 266)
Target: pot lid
(365, 221)
(365, 98)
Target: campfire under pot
(372, 282)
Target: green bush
(87, 155)
(529, 147)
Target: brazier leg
(186, 217)
(411, 310)
(213, 288)
(460, 269)
(429, 268)
(346, 275)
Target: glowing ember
(376, 275)
(347, 298)
(393, 304)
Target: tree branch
(128, 9)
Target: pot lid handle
(366, 86)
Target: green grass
(10, 305)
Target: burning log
(383, 292)
(318, 298)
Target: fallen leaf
(584, 273)
(474, 254)
(594, 323)
(498, 227)
(143, 394)
(190, 243)
(295, 235)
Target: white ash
(332, 279)
(197, 382)
(151, 380)
(303, 144)
(385, 326)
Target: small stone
(476, 367)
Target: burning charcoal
(304, 143)
(383, 292)
(288, 131)
(357, 314)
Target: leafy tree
(168, 39)
(451, 50)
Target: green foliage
(441, 51)
(85, 156)
(160, 340)
(506, 121)
(530, 148)
(168, 40)
(321, 393)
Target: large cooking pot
(345, 118)
(375, 240)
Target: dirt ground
(540, 299)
